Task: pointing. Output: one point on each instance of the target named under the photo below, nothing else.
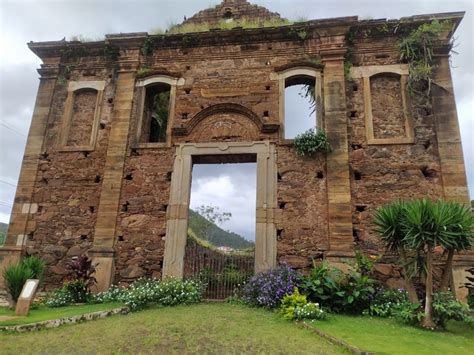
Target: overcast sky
(22, 21)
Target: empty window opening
(300, 105)
(156, 113)
(221, 225)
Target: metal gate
(220, 270)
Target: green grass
(43, 313)
(388, 336)
(210, 328)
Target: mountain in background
(216, 235)
(3, 232)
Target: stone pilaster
(451, 158)
(23, 206)
(102, 251)
(338, 176)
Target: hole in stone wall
(355, 235)
(279, 176)
(134, 152)
(31, 236)
(355, 146)
(187, 91)
(269, 48)
(188, 67)
(83, 236)
(427, 111)
(97, 179)
(360, 208)
(86, 154)
(120, 238)
(353, 114)
(164, 208)
(129, 177)
(320, 175)
(161, 264)
(355, 87)
(427, 172)
(266, 114)
(357, 175)
(125, 206)
(40, 209)
(228, 14)
(279, 233)
(102, 126)
(169, 174)
(282, 205)
(267, 87)
(184, 115)
(91, 209)
(110, 100)
(44, 156)
(44, 181)
(427, 144)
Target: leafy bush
(388, 303)
(296, 306)
(267, 289)
(311, 141)
(340, 292)
(15, 276)
(445, 308)
(80, 278)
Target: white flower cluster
(168, 292)
(309, 311)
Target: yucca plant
(15, 276)
(36, 265)
(388, 222)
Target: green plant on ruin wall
(111, 53)
(417, 49)
(311, 142)
(147, 47)
(143, 72)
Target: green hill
(215, 235)
(3, 232)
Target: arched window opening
(156, 110)
(300, 105)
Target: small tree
(421, 226)
(388, 221)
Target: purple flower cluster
(267, 289)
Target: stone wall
(113, 200)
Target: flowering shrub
(59, 298)
(169, 292)
(296, 306)
(388, 303)
(309, 311)
(267, 289)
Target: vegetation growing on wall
(417, 49)
(312, 141)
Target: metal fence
(221, 271)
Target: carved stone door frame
(267, 213)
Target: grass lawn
(44, 313)
(211, 328)
(388, 336)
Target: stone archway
(267, 214)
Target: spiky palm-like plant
(388, 221)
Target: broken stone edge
(54, 323)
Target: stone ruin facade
(97, 178)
